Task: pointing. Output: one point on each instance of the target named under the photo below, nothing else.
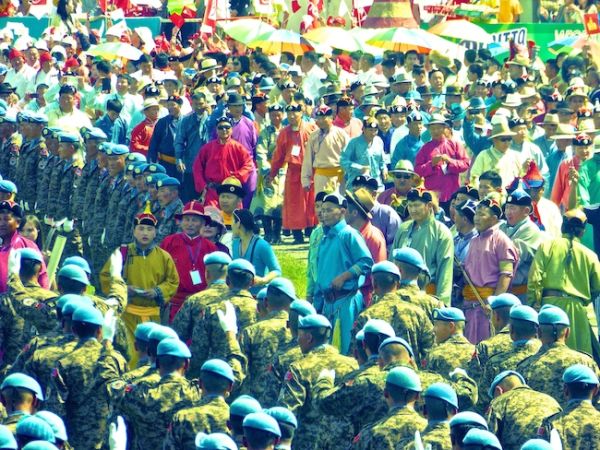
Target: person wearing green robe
(566, 274)
(313, 249)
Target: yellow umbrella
(405, 39)
(336, 38)
(279, 41)
(245, 30)
(459, 30)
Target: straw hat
(500, 129)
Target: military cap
(160, 332)
(72, 304)
(8, 118)
(537, 444)
(263, 422)
(155, 178)
(29, 253)
(65, 298)
(214, 441)
(419, 194)
(220, 368)
(582, 140)
(262, 295)
(500, 377)
(467, 209)
(231, 185)
(74, 273)
(36, 428)
(482, 438)
(7, 439)
(217, 258)
(88, 314)
(405, 378)
(449, 314)
(382, 112)
(282, 415)
(397, 340)
(138, 167)
(518, 197)
(173, 347)
(553, 315)
(135, 157)
(524, 312)
(143, 330)
(22, 381)
(578, 373)
(437, 119)
(503, 300)
(155, 168)
(243, 265)
(283, 285)
(365, 181)
(169, 181)
(55, 422)
(313, 321)
(360, 335)
(117, 150)
(79, 262)
(23, 116)
(93, 133)
(336, 199)
(379, 326)
(244, 405)
(385, 267)
(105, 146)
(410, 256)
(369, 100)
(38, 118)
(40, 445)
(468, 418)
(442, 391)
(68, 138)
(302, 308)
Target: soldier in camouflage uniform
(29, 156)
(138, 203)
(149, 407)
(402, 388)
(46, 164)
(11, 144)
(452, 349)
(407, 320)
(516, 411)
(22, 396)
(11, 330)
(171, 205)
(297, 390)
(578, 425)
(543, 371)
(115, 234)
(210, 415)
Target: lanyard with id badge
(194, 273)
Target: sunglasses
(505, 139)
(403, 176)
(223, 127)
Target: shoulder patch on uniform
(288, 376)
(28, 302)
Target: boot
(276, 234)
(308, 231)
(266, 220)
(298, 237)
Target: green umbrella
(245, 30)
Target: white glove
(103, 236)
(227, 319)
(458, 371)
(14, 262)
(109, 326)
(68, 225)
(117, 437)
(90, 241)
(48, 221)
(327, 374)
(116, 264)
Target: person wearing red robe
(298, 204)
(219, 159)
(142, 133)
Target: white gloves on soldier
(228, 319)
(109, 327)
(68, 225)
(116, 264)
(327, 374)
(117, 437)
(14, 262)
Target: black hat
(175, 98)
(419, 194)
(231, 185)
(6, 88)
(518, 197)
(493, 205)
(293, 107)
(366, 181)
(235, 99)
(582, 140)
(516, 121)
(13, 207)
(467, 209)
(67, 89)
(469, 191)
(336, 199)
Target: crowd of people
(449, 207)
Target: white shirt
(21, 80)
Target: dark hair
(580, 390)
(103, 66)
(370, 58)
(84, 330)
(523, 329)
(169, 363)
(400, 394)
(476, 69)
(312, 57)
(385, 280)
(493, 177)
(258, 438)
(373, 341)
(239, 279)
(470, 56)
(288, 57)
(29, 268)
(246, 219)
(114, 105)
(213, 383)
(431, 72)
(68, 286)
(37, 224)
(287, 430)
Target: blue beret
(79, 262)
(51, 132)
(117, 150)
(23, 116)
(518, 197)
(386, 267)
(132, 166)
(503, 300)
(3, 69)
(302, 307)
(40, 445)
(105, 147)
(214, 441)
(449, 314)
(405, 378)
(410, 256)
(242, 264)
(360, 335)
(65, 298)
(281, 414)
(220, 368)
(55, 422)
(20, 380)
(524, 312)
(138, 167)
(262, 294)
(173, 347)
(578, 373)
(397, 340)
(442, 391)
(537, 444)
(71, 305)
(553, 315)
(93, 133)
(143, 330)
(262, 421)
(29, 253)
(155, 178)
(8, 118)
(7, 439)
(88, 314)
(244, 405)
(34, 427)
(283, 285)
(501, 376)
(313, 321)
(160, 332)
(8, 186)
(468, 418)
(135, 157)
(379, 326)
(74, 273)
(169, 181)
(68, 138)
(484, 438)
(217, 258)
(155, 168)
(39, 118)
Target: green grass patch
(293, 261)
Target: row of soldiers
(274, 350)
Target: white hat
(145, 35)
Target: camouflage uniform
(97, 221)
(88, 209)
(209, 416)
(297, 394)
(578, 426)
(412, 294)
(149, 408)
(400, 424)
(456, 351)
(114, 236)
(500, 342)
(437, 435)
(79, 384)
(11, 331)
(9, 156)
(54, 187)
(112, 233)
(543, 371)
(88, 174)
(276, 371)
(44, 169)
(135, 206)
(407, 320)
(11, 421)
(516, 415)
(259, 342)
(26, 172)
(166, 219)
